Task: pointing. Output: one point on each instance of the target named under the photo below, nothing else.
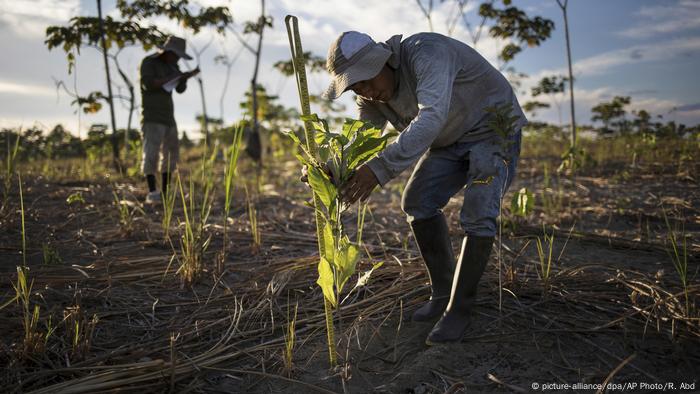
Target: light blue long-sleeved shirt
(443, 86)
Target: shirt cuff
(380, 170)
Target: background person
(160, 136)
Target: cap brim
(178, 53)
(367, 67)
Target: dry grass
(610, 296)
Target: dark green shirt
(156, 103)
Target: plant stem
(330, 331)
(24, 238)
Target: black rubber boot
(470, 266)
(151, 180)
(433, 238)
(165, 180)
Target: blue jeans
(485, 167)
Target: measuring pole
(298, 62)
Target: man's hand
(304, 174)
(191, 73)
(359, 186)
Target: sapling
(332, 160)
(502, 122)
(126, 221)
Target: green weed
(229, 176)
(544, 252)
(678, 252)
(193, 238)
(79, 330)
(33, 341)
(253, 219)
(125, 215)
(290, 341)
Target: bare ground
(613, 311)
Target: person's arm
(182, 84)
(435, 69)
(149, 79)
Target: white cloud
(664, 19)
(32, 17)
(322, 21)
(603, 62)
(13, 88)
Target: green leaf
(363, 148)
(75, 197)
(325, 281)
(328, 242)
(323, 153)
(293, 136)
(322, 186)
(345, 260)
(351, 126)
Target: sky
(648, 50)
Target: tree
(86, 32)
(110, 97)
(227, 62)
(254, 148)
(531, 107)
(551, 86)
(60, 143)
(200, 81)
(513, 23)
(185, 141)
(642, 121)
(508, 23)
(608, 112)
(427, 11)
(253, 145)
(563, 7)
(313, 63)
